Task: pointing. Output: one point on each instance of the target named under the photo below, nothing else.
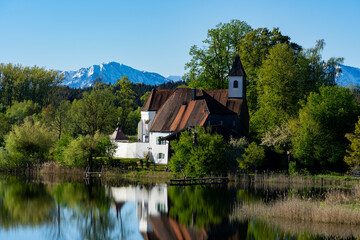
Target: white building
(169, 111)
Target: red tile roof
(179, 111)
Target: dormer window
(236, 84)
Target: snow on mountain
(350, 76)
(110, 73)
(174, 78)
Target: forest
(300, 120)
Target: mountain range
(112, 71)
(109, 73)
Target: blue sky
(156, 35)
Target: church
(167, 112)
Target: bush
(207, 158)
(253, 157)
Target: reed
(337, 207)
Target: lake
(79, 210)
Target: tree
(198, 154)
(95, 112)
(83, 149)
(125, 99)
(31, 141)
(254, 49)
(352, 158)
(318, 140)
(58, 117)
(253, 157)
(210, 66)
(277, 90)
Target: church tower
(237, 80)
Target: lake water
(79, 210)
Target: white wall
(143, 131)
(131, 150)
(156, 148)
(235, 92)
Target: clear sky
(156, 35)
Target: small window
(236, 84)
(221, 123)
(159, 141)
(161, 155)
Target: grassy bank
(337, 207)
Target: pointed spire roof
(237, 69)
(118, 135)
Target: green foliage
(318, 137)
(277, 90)
(254, 49)
(210, 66)
(352, 158)
(30, 141)
(292, 168)
(95, 112)
(82, 150)
(206, 159)
(253, 157)
(20, 110)
(235, 151)
(18, 83)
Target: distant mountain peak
(110, 72)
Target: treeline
(42, 120)
(298, 115)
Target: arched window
(236, 84)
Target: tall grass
(336, 207)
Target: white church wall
(131, 150)
(157, 148)
(143, 132)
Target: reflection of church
(153, 218)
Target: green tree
(20, 110)
(209, 66)
(352, 158)
(83, 149)
(125, 100)
(277, 90)
(254, 50)
(95, 112)
(30, 141)
(204, 157)
(253, 157)
(318, 140)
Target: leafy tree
(210, 66)
(18, 83)
(205, 158)
(277, 90)
(95, 112)
(83, 149)
(125, 98)
(254, 49)
(352, 158)
(318, 140)
(58, 117)
(20, 110)
(30, 141)
(253, 157)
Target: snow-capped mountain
(110, 73)
(350, 76)
(174, 78)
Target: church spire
(237, 69)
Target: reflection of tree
(91, 209)
(200, 206)
(25, 204)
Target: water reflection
(30, 210)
